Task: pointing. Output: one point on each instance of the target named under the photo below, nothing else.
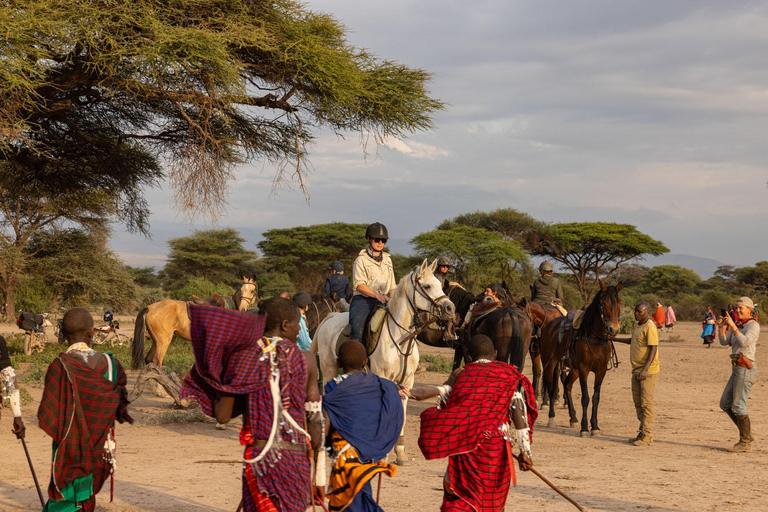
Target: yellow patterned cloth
(349, 475)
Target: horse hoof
(595, 432)
(584, 433)
(574, 424)
(403, 462)
(557, 402)
(551, 423)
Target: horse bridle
(249, 300)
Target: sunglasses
(379, 240)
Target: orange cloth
(659, 317)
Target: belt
(282, 445)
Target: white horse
(397, 355)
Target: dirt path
(191, 467)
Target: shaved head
(352, 356)
(77, 326)
(643, 306)
(481, 347)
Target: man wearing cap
(546, 289)
(742, 338)
(337, 282)
(303, 300)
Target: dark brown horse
(321, 306)
(586, 349)
(540, 315)
(462, 299)
(508, 327)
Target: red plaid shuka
(78, 409)
(228, 360)
(467, 431)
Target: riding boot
(745, 435)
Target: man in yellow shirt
(644, 356)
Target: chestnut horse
(167, 317)
(586, 349)
(540, 315)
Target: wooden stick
(240, 506)
(378, 491)
(34, 475)
(558, 491)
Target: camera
(723, 312)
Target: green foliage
(479, 256)
(193, 415)
(33, 294)
(670, 280)
(204, 85)
(272, 283)
(437, 363)
(201, 287)
(179, 357)
(596, 249)
(756, 277)
(404, 264)
(507, 222)
(304, 252)
(80, 270)
(144, 276)
(216, 256)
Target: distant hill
(705, 267)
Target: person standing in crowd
(490, 405)
(84, 395)
(742, 338)
(303, 300)
(365, 418)
(708, 327)
(644, 356)
(337, 282)
(10, 389)
(658, 316)
(373, 279)
(669, 318)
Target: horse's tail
(516, 352)
(139, 333)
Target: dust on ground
(194, 467)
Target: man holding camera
(742, 337)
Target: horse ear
(424, 265)
(618, 286)
(245, 279)
(602, 285)
(433, 266)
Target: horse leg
(596, 400)
(549, 377)
(536, 364)
(567, 397)
(563, 377)
(401, 457)
(584, 383)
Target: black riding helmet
(377, 230)
(302, 299)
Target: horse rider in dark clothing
(337, 282)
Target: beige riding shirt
(380, 277)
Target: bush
(202, 288)
(689, 307)
(32, 295)
(437, 364)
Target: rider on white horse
(373, 279)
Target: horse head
(610, 307)
(425, 292)
(248, 294)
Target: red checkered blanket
(467, 430)
(78, 408)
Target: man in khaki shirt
(644, 356)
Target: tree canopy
(479, 256)
(303, 253)
(96, 87)
(215, 255)
(591, 250)
(507, 222)
(670, 280)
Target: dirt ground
(194, 467)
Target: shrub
(437, 363)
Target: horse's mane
(594, 307)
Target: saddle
(371, 333)
(482, 308)
(572, 322)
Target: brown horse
(167, 317)
(540, 315)
(321, 306)
(586, 349)
(508, 327)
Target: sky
(651, 113)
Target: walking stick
(34, 475)
(240, 506)
(558, 491)
(378, 491)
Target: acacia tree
(215, 255)
(303, 253)
(509, 223)
(594, 250)
(478, 255)
(670, 280)
(203, 86)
